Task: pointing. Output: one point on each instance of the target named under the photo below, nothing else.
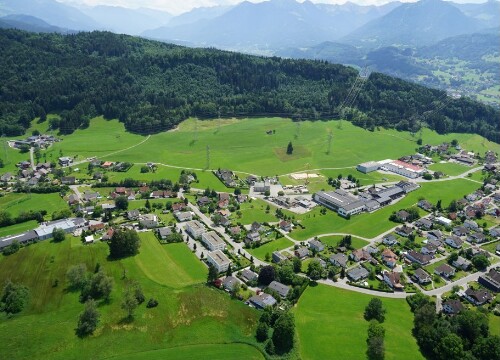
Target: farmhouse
(219, 260)
(280, 288)
(262, 300)
(195, 228)
(212, 241)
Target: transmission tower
(208, 157)
(330, 138)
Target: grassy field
(270, 247)
(330, 325)
(18, 228)
(357, 243)
(14, 203)
(256, 152)
(371, 224)
(190, 318)
(255, 211)
(450, 169)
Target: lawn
(186, 316)
(172, 265)
(491, 247)
(357, 243)
(270, 247)
(255, 211)
(330, 325)
(15, 203)
(450, 169)
(18, 228)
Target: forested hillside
(151, 87)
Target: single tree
(121, 203)
(58, 235)
(147, 205)
(375, 341)
(14, 298)
(129, 303)
(314, 270)
(88, 320)
(480, 262)
(77, 276)
(213, 274)
(297, 264)
(262, 332)
(375, 310)
(124, 243)
(284, 332)
(289, 148)
(267, 274)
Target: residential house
(434, 235)
(454, 241)
(372, 249)
(178, 206)
(360, 255)
(108, 235)
(164, 232)
(339, 260)
(421, 276)
(195, 228)
(389, 240)
(429, 249)
(452, 307)
(471, 225)
(235, 230)
(252, 237)
(491, 280)
(404, 231)
(316, 245)
(212, 241)
(462, 263)
(257, 227)
(226, 176)
(68, 180)
(278, 257)
(419, 258)
(393, 279)
(262, 300)
(229, 283)
(477, 238)
(224, 196)
(497, 250)
(495, 232)
(249, 275)
(445, 271)
(203, 201)
(460, 230)
(478, 297)
(65, 161)
(302, 252)
(389, 258)
(280, 288)
(133, 215)
(73, 199)
(441, 220)
(402, 215)
(358, 273)
(424, 224)
(183, 216)
(219, 260)
(149, 221)
(285, 225)
(425, 205)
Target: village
(446, 252)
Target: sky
(179, 6)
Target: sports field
(330, 325)
(189, 320)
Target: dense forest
(152, 86)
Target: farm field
(270, 247)
(190, 318)
(256, 152)
(15, 203)
(344, 330)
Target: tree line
(152, 87)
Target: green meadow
(268, 248)
(330, 325)
(190, 320)
(450, 169)
(15, 203)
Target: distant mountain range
(29, 23)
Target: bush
(152, 303)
